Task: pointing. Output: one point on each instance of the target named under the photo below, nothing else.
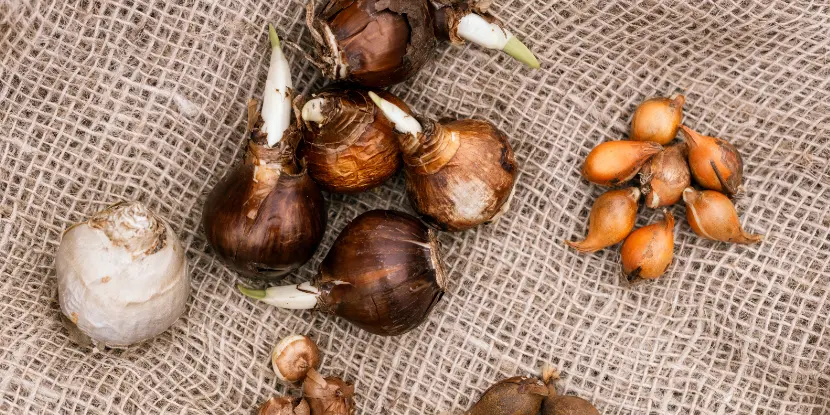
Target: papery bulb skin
(353, 148)
(513, 396)
(658, 119)
(375, 43)
(264, 220)
(383, 273)
(329, 396)
(715, 164)
(293, 357)
(665, 176)
(713, 216)
(648, 252)
(614, 163)
(568, 405)
(122, 276)
(612, 219)
(459, 174)
(284, 405)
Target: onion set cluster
(666, 173)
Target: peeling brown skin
(450, 157)
(391, 265)
(335, 397)
(266, 217)
(284, 405)
(666, 175)
(383, 42)
(513, 396)
(568, 405)
(356, 148)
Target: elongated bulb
(276, 102)
(476, 29)
(404, 123)
(313, 110)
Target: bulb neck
(430, 151)
(132, 226)
(338, 117)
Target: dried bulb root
(328, 396)
(293, 357)
(715, 164)
(615, 162)
(713, 216)
(665, 176)
(648, 251)
(658, 119)
(612, 219)
(516, 395)
(283, 405)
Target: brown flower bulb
(293, 357)
(512, 396)
(379, 43)
(648, 251)
(459, 174)
(665, 176)
(266, 217)
(329, 396)
(375, 43)
(612, 219)
(658, 119)
(284, 405)
(562, 405)
(713, 216)
(350, 146)
(615, 162)
(383, 274)
(715, 164)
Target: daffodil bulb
(122, 276)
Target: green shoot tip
(255, 294)
(272, 34)
(521, 53)
(376, 98)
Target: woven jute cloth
(108, 100)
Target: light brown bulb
(615, 162)
(612, 219)
(349, 145)
(658, 119)
(648, 251)
(516, 395)
(665, 176)
(713, 216)
(284, 405)
(293, 357)
(715, 164)
(328, 396)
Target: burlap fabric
(102, 101)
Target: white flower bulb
(122, 275)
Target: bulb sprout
(404, 123)
(313, 110)
(476, 29)
(292, 297)
(276, 102)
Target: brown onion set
(666, 174)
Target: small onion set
(666, 174)
(296, 359)
(522, 395)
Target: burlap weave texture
(106, 100)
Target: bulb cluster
(530, 395)
(666, 173)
